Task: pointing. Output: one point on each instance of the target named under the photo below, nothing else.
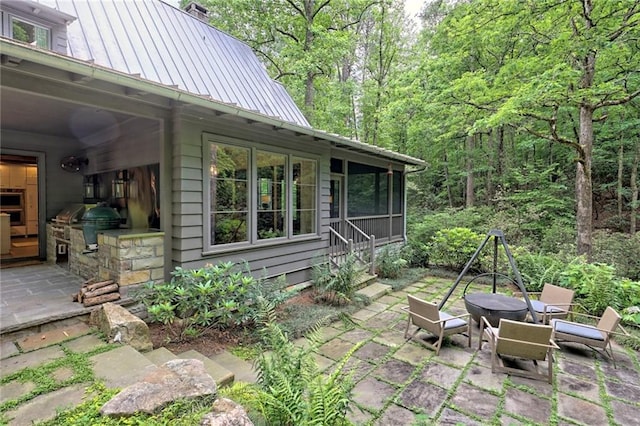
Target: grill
(60, 225)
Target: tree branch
(617, 101)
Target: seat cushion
(454, 323)
(539, 307)
(578, 330)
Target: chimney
(197, 10)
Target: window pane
(367, 190)
(272, 194)
(229, 193)
(29, 33)
(304, 196)
(397, 192)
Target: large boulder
(225, 412)
(175, 379)
(121, 326)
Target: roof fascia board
(90, 70)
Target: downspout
(404, 208)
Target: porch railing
(385, 228)
(345, 239)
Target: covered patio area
(37, 294)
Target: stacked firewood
(91, 293)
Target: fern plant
(295, 391)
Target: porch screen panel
(396, 197)
(367, 190)
(271, 172)
(229, 194)
(304, 196)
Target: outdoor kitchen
(114, 235)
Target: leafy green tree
(550, 68)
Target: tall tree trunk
(634, 190)
(584, 188)
(470, 195)
(620, 170)
(447, 181)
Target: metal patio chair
(596, 337)
(553, 302)
(523, 341)
(426, 316)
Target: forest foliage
(518, 105)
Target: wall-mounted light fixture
(390, 169)
(119, 185)
(90, 186)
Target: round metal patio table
(494, 306)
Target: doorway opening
(19, 209)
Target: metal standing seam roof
(166, 45)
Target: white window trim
(207, 140)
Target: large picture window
(272, 195)
(258, 195)
(304, 196)
(229, 194)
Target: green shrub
(416, 253)
(453, 248)
(389, 262)
(595, 285)
(215, 296)
(337, 286)
(616, 249)
(538, 269)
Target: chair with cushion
(596, 337)
(522, 341)
(553, 302)
(426, 316)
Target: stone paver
(15, 389)
(580, 410)
(7, 349)
(62, 374)
(413, 353)
(394, 371)
(395, 415)
(30, 359)
(587, 389)
(44, 407)
(372, 352)
(121, 367)
(625, 414)
(440, 374)
(475, 401)
(372, 394)
(527, 405)
(335, 349)
(52, 337)
(84, 344)
(455, 418)
(482, 377)
(423, 397)
(356, 335)
(628, 391)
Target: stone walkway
(397, 382)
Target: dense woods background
(527, 108)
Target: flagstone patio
(403, 383)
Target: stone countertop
(132, 233)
